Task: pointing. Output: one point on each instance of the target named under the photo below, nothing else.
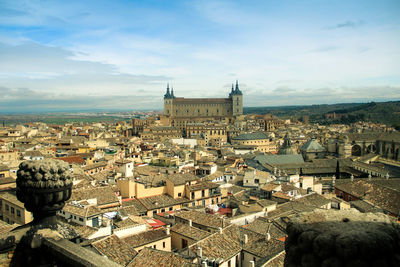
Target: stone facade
(179, 107)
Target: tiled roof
(202, 186)
(12, 198)
(157, 258)
(144, 238)
(263, 248)
(5, 227)
(134, 204)
(115, 249)
(364, 206)
(202, 218)
(81, 230)
(161, 201)
(105, 195)
(279, 159)
(225, 245)
(251, 136)
(73, 159)
(95, 165)
(126, 223)
(213, 176)
(308, 203)
(181, 178)
(262, 226)
(82, 211)
(314, 200)
(382, 196)
(277, 261)
(189, 231)
(265, 202)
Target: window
(184, 243)
(154, 212)
(12, 210)
(155, 246)
(179, 194)
(256, 181)
(203, 194)
(170, 208)
(80, 219)
(192, 195)
(18, 213)
(162, 210)
(6, 207)
(163, 244)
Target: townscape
(200, 183)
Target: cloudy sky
(121, 54)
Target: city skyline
(122, 54)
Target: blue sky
(121, 54)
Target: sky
(71, 55)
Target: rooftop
(157, 258)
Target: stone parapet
(342, 238)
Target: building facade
(180, 107)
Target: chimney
(251, 263)
(168, 230)
(220, 230)
(190, 222)
(246, 239)
(267, 237)
(199, 252)
(352, 177)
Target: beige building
(179, 190)
(160, 133)
(13, 210)
(213, 135)
(260, 141)
(178, 108)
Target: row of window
(12, 209)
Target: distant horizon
(116, 110)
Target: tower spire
(237, 85)
(172, 92)
(167, 94)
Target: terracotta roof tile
(144, 238)
(115, 249)
(156, 258)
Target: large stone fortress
(179, 107)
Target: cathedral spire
(167, 94)
(237, 90)
(172, 92)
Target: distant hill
(381, 112)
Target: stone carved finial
(44, 186)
